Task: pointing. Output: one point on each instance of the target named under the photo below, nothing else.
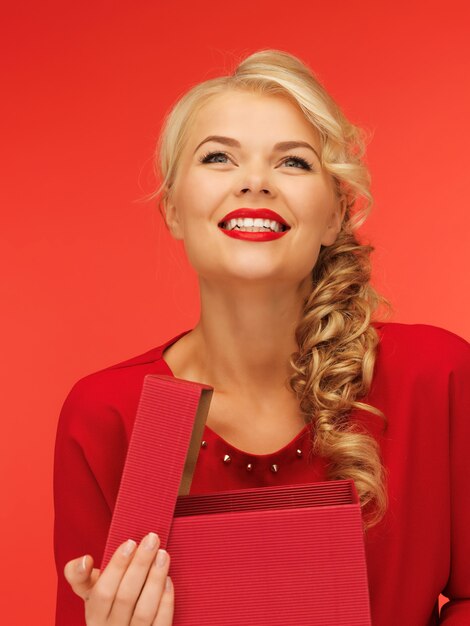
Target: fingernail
(82, 564)
(168, 583)
(150, 541)
(161, 558)
(128, 547)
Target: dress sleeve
(89, 456)
(456, 612)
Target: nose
(246, 189)
(256, 185)
(256, 179)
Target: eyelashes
(206, 158)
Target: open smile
(253, 230)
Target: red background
(89, 275)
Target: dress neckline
(277, 453)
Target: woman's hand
(132, 590)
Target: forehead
(247, 116)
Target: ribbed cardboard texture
(274, 556)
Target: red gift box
(274, 556)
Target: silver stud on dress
(204, 444)
(249, 466)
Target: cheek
(316, 203)
(198, 199)
(313, 215)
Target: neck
(246, 334)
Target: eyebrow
(281, 146)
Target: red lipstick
(266, 214)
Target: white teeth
(253, 225)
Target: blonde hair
(337, 343)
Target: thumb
(81, 575)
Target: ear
(336, 219)
(173, 220)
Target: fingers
(102, 597)
(149, 603)
(133, 580)
(132, 589)
(80, 575)
(167, 605)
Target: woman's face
(248, 171)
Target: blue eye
(206, 158)
(305, 164)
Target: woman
(307, 384)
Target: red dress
(420, 549)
